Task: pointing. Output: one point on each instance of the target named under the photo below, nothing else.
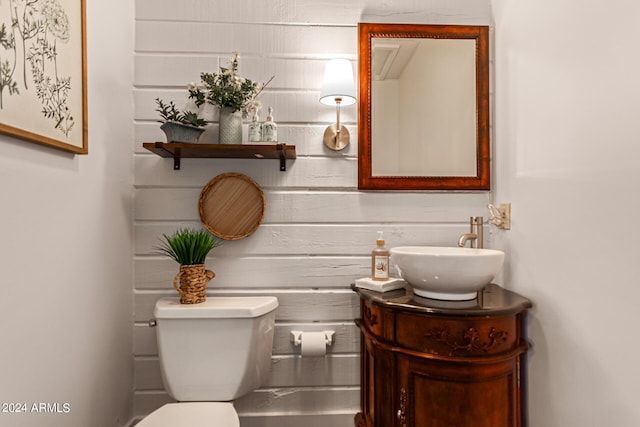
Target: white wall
(65, 299)
(567, 139)
(318, 230)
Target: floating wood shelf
(177, 151)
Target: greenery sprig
(170, 113)
(187, 246)
(228, 89)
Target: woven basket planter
(193, 283)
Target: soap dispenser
(270, 128)
(380, 260)
(255, 127)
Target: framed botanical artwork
(43, 72)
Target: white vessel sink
(446, 273)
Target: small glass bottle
(380, 260)
(255, 127)
(269, 128)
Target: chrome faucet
(475, 235)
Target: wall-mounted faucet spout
(475, 235)
(465, 237)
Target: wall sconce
(338, 89)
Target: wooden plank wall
(318, 230)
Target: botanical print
(41, 67)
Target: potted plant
(233, 94)
(179, 126)
(190, 248)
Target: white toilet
(210, 354)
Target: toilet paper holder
(296, 337)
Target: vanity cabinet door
(378, 380)
(436, 393)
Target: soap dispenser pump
(380, 260)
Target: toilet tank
(216, 350)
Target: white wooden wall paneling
(299, 399)
(291, 400)
(286, 371)
(316, 239)
(287, 106)
(246, 38)
(334, 382)
(339, 173)
(303, 72)
(320, 207)
(330, 12)
(347, 337)
(305, 172)
(296, 271)
(284, 11)
(318, 230)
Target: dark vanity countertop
(492, 300)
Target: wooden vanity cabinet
(430, 363)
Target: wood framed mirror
(423, 115)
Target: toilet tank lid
(215, 307)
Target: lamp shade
(338, 83)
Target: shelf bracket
(283, 159)
(176, 163)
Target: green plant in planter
(179, 126)
(228, 89)
(187, 246)
(190, 248)
(170, 113)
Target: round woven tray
(231, 206)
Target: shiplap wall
(318, 230)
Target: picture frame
(43, 73)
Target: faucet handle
(477, 222)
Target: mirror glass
(423, 113)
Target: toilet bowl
(210, 354)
